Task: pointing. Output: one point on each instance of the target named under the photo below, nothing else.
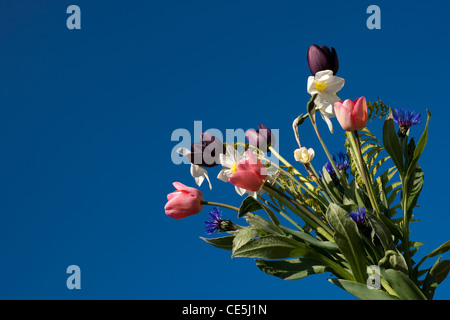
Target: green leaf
(249, 205)
(442, 249)
(263, 224)
(243, 236)
(438, 272)
(272, 247)
(348, 239)
(305, 237)
(418, 150)
(221, 243)
(414, 188)
(402, 285)
(292, 269)
(379, 230)
(362, 291)
(392, 143)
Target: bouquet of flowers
(348, 218)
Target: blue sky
(87, 117)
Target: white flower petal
(240, 191)
(334, 84)
(328, 122)
(184, 151)
(224, 175)
(310, 87)
(323, 75)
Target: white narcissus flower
(304, 155)
(198, 173)
(325, 85)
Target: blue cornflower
(342, 162)
(216, 223)
(405, 119)
(213, 224)
(359, 216)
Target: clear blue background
(87, 116)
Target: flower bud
(304, 155)
(184, 202)
(262, 138)
(322, 58)
(352, 115)
(206, 152)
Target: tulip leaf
(272, 247)
(362, 291)
(292, 269)
(348, 239)
(221, 242)
(391, 142)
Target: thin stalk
(363, 167)
(217, 204)
(329, 156)
(286, 163)
(302, 212)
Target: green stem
(217, 204)
(286, 163)
(364, 170)
(330, 158)
(302, 212)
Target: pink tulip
(352, 115)
(184, 202)
(250, 173)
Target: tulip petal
(247, 180)
(191, 191)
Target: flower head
(184, 202)
(342, 162)
(304, 155)
(206, 152)
(262, 138)
(249, 174)
(213, 224)
(352, 115)
(216, 223)
(405, 119)
(325, 85)
(322, 58)
(359, 216)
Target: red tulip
(352, 115)
(250, 174)
(184, 202)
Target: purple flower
(322, 58)
(359, 216)
(405, 119)
(262, 138)
(213, 224)
(342, 162)
(217, 224)
(206, 152)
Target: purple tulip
(262, 138)
(206, 152)
(322, 58)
